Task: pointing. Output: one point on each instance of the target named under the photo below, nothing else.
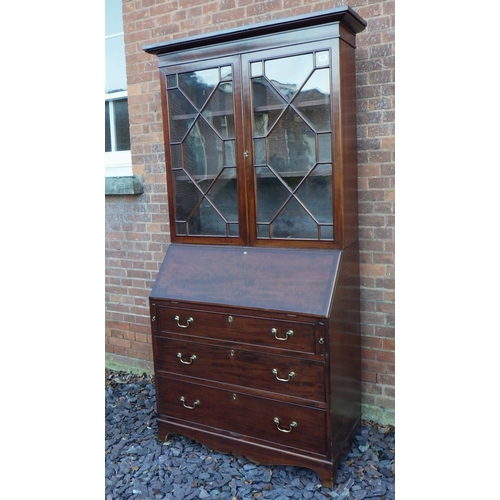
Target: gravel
(140, 466)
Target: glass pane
(180, 228)
(322, 58)
(198, 85)
(113, 15)
(181, 114)
(223, 194)
(314, 100)
(271, 194)
(229, 153)
(107, 130)
(316, 193)
(116, 76)
(289, 73)
(267, 106)
(206, 221)
(263, 231)
(226, 73)
(260, 151)
(234, 229)
(122, 132)
(292, 145)
(187, 195)
(256, 68)
(325, 147)
(326, 232)
(171, 81)
(294, 222)
(202, 151)
(220, 111)
(176, 155)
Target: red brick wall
(137, 229)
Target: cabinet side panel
(168, 159)
(345, 351)
(349, 143)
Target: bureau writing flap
(289, 280)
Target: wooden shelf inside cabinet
(297, 174)
(218, 114)
(255, 310)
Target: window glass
(117, 135)
(121, 125)
(116, 76)
(107, 128)
(114, 23)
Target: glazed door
(288, 99)
(202, 113)
(250, 156)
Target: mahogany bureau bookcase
(255, 310)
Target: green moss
(124, 364)
(384, 416)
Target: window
(117, 150)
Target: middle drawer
(301, 378)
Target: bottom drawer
(277, 422)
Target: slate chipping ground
(141, 467)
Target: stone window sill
(124, 185)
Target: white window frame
(117, 163)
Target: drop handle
(195, 404)
(276, 420)
(191, 359)
(289, 333)
(188, 322)
(290, 376)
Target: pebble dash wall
(137, 228)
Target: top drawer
(266, 332)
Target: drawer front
(285, 375)
(277, 422)
(281, 334)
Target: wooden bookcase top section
(301, 281)
(256, 155)
(343, 15)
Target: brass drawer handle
(289, 333)
(189, 321)
(195, 404)
(276, 420)
(191, 359)
(290, 376)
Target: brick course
(137, 228)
